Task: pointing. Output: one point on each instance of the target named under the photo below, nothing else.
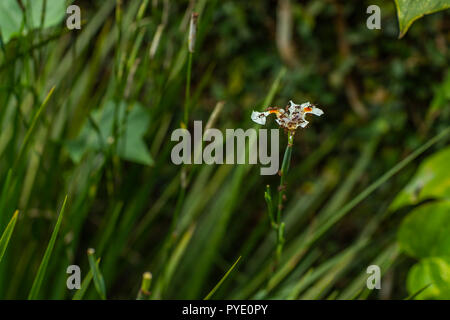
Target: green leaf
(31, 129)
(4, 240)
(99, 282)
(442, 95)
(434, 272)
(37, 283)
(3, 198)
(97, 134)
(430, 181)
(217, 286)
(424, 232)
(12, 21)
(409, 11)
(85, 284)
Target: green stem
(281, 194)
(268, 198)
(284, 170)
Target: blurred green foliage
(97, 134)
(434, 273)
(430, 182)
(423, 233)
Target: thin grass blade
(31, 129)
(84, 285)
(4, 240)
(99, 282)
(3, 197)
(414, 295)
(221, 280)
(37, 283)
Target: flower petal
(280, 123)
(304, 124)
(308, 107)
(317, 111)
(259, 117)
(293, 107)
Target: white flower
(290, 118)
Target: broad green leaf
(10, 19)
(97, 134)
(416, 294)
(409, 11)
(433, 272)
(12, 22)
(425, 231)
(431, 180)
(4, 240)
(37, 283)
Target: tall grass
(185, 224)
